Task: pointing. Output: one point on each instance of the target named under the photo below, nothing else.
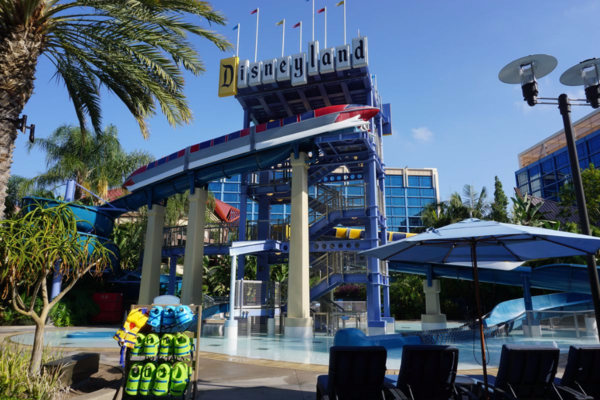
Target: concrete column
(298, 322)
(231, 325)
(150, 285)
(193, 267)
(433, 319)
(172, 274)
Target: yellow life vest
(127, 334)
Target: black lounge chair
(582, 373)
(525, 372)
(354, 373)
(428, 372)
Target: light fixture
(269, 194)
(585, 73)
(526, 71)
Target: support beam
(193, 267)
(299, 323)
(231, 328)
(433, 318)
(150, 285)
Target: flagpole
(237, 46)
(325, 27)
(344, 23)
(300, 36)
(256, 45)
(283, 38)
(313, 26)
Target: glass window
(400, 192)
(277, 209)
(563, 173)
(537, 193)
(414, 201)
(522, 178)
(400, 211)
(414, 211)
(562, 159)
(534, 172)
(583, 164)
(234, 179)
(355, 190)
(596, 160)
(426, 181)
(424, 202)
(535, 185)
(594, 145)
(230, 197)
(547, 166)
(414, 192)
(581, 150)
(398, 201)
(214, 187)
(415, 222)
(550, 191)
(388, 191)
(394, 180)
(388, 211)
(428, 192)
(549, 179)
(524, 189)
(231, 187)
(414, 181)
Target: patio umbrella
(474, 240)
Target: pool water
(306, 351)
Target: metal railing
(578, 324)
(343, 262)
(275, 229)
(214, 234)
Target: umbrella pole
(480, 317)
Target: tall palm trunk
(19, 51)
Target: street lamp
(526, 71)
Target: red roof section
(226, 212)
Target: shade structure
(474, 241)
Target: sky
(436, 62)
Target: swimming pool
(306, 351)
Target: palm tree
(96, 161)
(476, 202)
(136, 49)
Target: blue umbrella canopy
(494, 241)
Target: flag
(235, 27)
(320, 11)
(340, 3)
(298, 24)
(255, 11)
(279, 23)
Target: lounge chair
(525, 372)
(354, 373)
(428, 372)
(582, 373)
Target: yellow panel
(355, 233)
(228, 77)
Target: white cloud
(422, 134)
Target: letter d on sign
(228, 77)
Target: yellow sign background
(228, 77)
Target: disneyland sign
(295, 68)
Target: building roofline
(560, 132)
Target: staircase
(333, 269)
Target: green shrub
(76, 308)
(15, 381)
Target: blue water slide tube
(515, 309)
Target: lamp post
(526, 71)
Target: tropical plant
(32, 245)
(16, 383)
(136, 50)
(129, 237)
(590, 178)
(18, 187)
(407, 299)
(476, 202)
(280, 272)
(178, 207)
(96, 161)
(498, 208)
(527, 212)
(445, 213)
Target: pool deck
(231, 377)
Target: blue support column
(264, 227)
(241, 262)
(376, 326)
(527, 292)
(172, 274)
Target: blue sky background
(436, 62)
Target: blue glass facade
(405, 197)
(545, 177)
